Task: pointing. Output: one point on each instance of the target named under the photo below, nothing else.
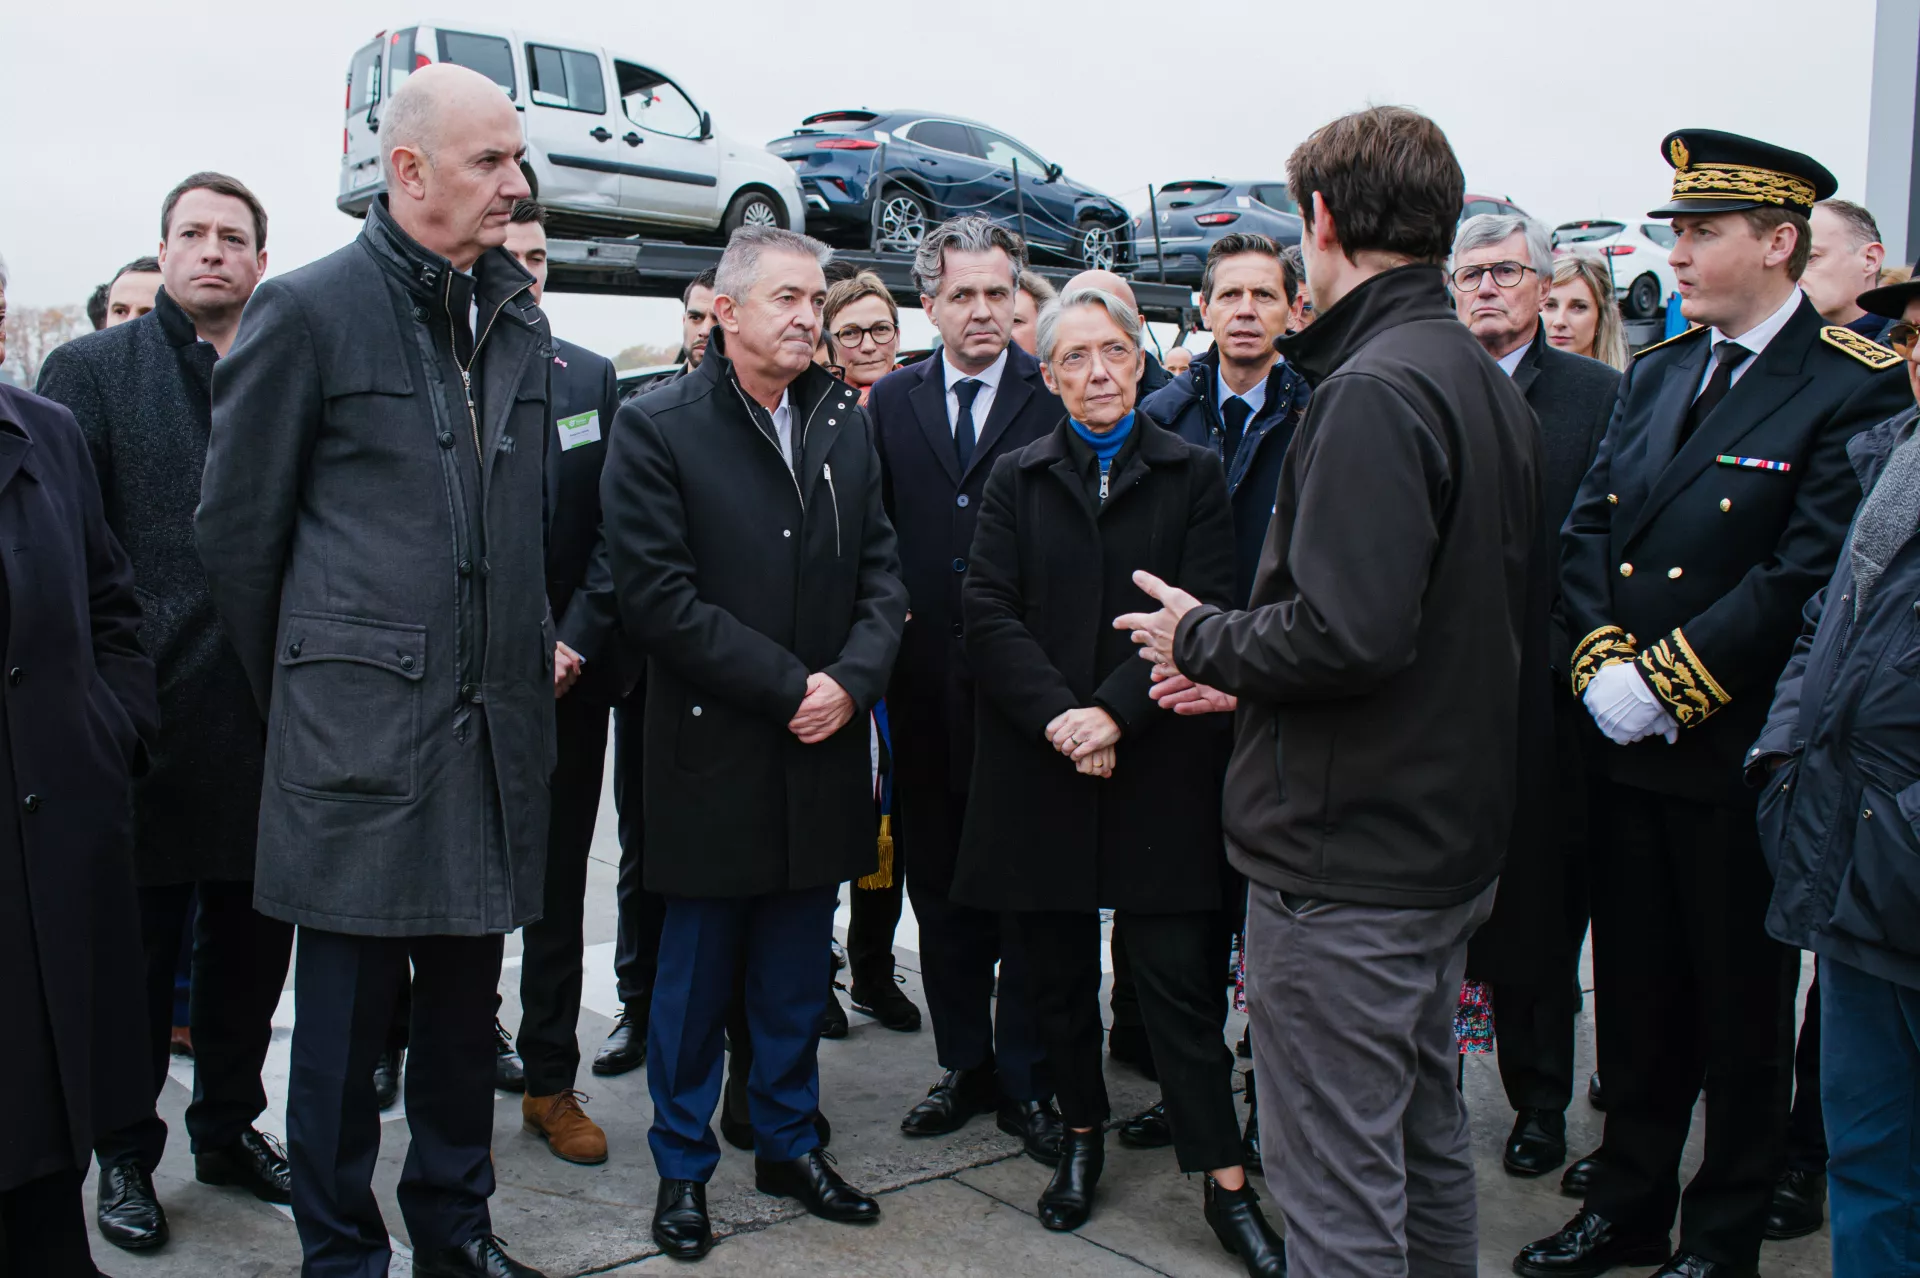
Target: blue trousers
(344, 991)
(783, 940)
(1870, 1090)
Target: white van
(613, 145)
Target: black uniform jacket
(738, 578)
(933, 506)
(586, 616)
(1695, 560)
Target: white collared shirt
(783, 427)
(1754, 339)
(1256, 397)
(1511, 360)
(989, 380)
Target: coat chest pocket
(349, 707)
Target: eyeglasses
(1111, 353)
(1903, 337)
(852, 335)
(1505, 274)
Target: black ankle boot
(1244, 1231)
(1068, 1199)
(1250, 1137)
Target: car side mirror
(1053, 172)
(706, 125)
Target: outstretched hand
(1174, 691)
(1153, 631)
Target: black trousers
(239, 968)
(1806, 1125)
(1694, 995)
(876, 915)
(345, 987)
(551, 963)
(1123, 996)
(1533, 1024)
(1180, 970)
(636, 950)
(43, 1229)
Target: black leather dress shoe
(1578, 1177)
(1067, 1201)
(812, 1179)
(958, 1096)
(509, 1072)
(1250, 1137)
(1595, 1097)
(1148, 1129)
(386, 1077)
(680, 1222)
(833, 1018)
(255, 1162)
(626, 1047)
(1037, 1124)
(1799, 1204)
(1685, 1264)
(1241, 1228)
(888, 1004)
(1587, 1245)
(481, 1257)
(127, 1210)
(1538, 1142)
(1128, 1045)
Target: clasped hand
(1625, 708)
(823, 711)
(1088, 737)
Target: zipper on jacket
(466, 370)
(1104, 473)
(826, 472)
(776, 448)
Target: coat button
(406, 663)
(15, 675)
(786, 532)
(1726, 504)
(446, 439)
(1674, 574)
(293, 649)
(420, 313)
(1626, 570)
(696, 712)
(833, 421)
(961, 501)
(468, 692)
(957, 629)
(31, 803)
(466, 567)
(1612, 500)
(959, 565)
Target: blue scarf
(1105, 446)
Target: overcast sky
(1559, 106)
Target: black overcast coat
(737, 578)
(586, 617)
(142, 393)
(79, 704)
(1050, 570)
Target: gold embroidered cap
(1715, 172)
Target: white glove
(1625, 708)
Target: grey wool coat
(142, 393)
(375, 548)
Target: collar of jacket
(804, 392)
(1156, 445)
(497, 277)
(1869, 450)
(174, 322)
(1387, 300)
(1284, 385)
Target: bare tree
(646, 355)
(33, 332)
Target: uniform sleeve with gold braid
(1674, 673)
(1604, 647)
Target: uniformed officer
(1715, 507)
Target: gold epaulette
(1677, 337)
(1604, 647)
(1866, 350)
(1675, 675)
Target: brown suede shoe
(569, 1133)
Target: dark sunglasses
(1903, 337)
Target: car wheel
(751, 208)
(1643, 298)
(901, 222)
(1099, 249)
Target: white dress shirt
(1256, 398)
(1511, 360)
(1754, 339)
(983, 398)
(783, 428)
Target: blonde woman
(861, 326)
(1581, 316)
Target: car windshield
(1582, 232)
(838, 122)
(1182, 195)
(489, 55)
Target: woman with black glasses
(862, 326)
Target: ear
(1876, 256)
(926, 305)
(1046, 375)
(162, 255)
(726, 314)
(1780, 244)
(261, 266)
(406, 164)
(1325, 238)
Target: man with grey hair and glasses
(940, 425)
(1528, 952)
(756, 571)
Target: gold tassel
(882, 877)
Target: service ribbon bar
(1753, 463)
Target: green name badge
(581, 428)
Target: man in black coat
(1529, 951)
(78, 717)
(940, 425)
(757, 572)
(142, 393)
(1715, 508)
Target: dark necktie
(1727, 357)
(965, 390)
(1235, 413)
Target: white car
(1635, 252)
(614, 146)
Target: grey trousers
(1363, 1127)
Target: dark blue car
(1193, 214)
(880, 179)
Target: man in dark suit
(1529, 951)
(1716, 506)
(940, 425)
(587, 679)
